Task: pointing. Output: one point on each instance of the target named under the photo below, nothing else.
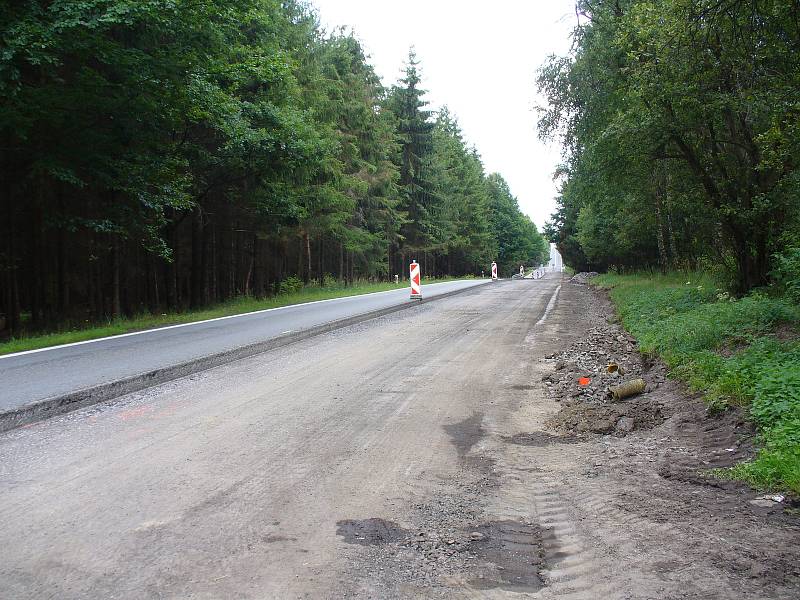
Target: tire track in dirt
(638, 516)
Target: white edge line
(550, 305)
(255, 312)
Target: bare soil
(575, 496)
(651, 477)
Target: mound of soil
(583, 277)
(583, 374)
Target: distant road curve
(30, 378)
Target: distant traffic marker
(494, 271)
(416, 288)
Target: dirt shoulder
(560, 493)
(633, 476)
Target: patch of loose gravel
(583, 374)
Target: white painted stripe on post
(416, 291)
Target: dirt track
(405, 457)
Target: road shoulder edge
(64, 403)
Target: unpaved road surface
(405, 457)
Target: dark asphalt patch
(465, 434)
(517, 550)
(511, 554)
(370, 532)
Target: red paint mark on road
(134, 413)
(584, 381)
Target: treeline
(168, 155)
(681, 126)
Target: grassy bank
(744, 351)
(292, 294)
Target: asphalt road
(30, 377)
(279, 475)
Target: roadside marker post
(494, 271)
(522, 270)
(416, 288)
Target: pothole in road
(370, 532)
(506, 555)
(516, 550)
(539, 439)
(465, 434)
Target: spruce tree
(415, 135)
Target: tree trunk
(248, 278)
(673, 251)
(752, 261)
(320, 258)
(63, 281)
(341, 262)
(154, 278)
(232, 263)
(197, 259)
(307, 247)
(13, 321)
(37, 289)
(116, 309)
(172, 266)
(389, 269)
(662, 246)
(351, 275)
(258, 270)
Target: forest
(680, 123)
(169, 155)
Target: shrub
(787, 272)
(290, 285)
(777, 396)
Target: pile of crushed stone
(583, 374)
(583, 277)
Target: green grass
(731, 351)
(240, 305)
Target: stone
(602, 426)
(625, 424)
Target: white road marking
(550, 305)
(255, 312)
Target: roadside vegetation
(679, 126)
(291, 291)
(678, 121)
(162, 156)
(743, 351)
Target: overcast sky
(479, 58)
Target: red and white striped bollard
(416, 288)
